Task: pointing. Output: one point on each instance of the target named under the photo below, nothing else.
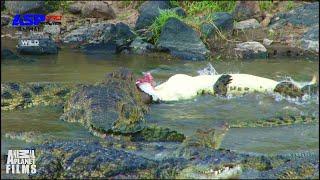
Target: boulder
(181, 41)
(45, 46)
(22, 7)
(221, 20)
(5, 20)
(138, 46)
(101, 36)
(247, 24)
(149, 11)
(179, 11)
(115, 105)
(98, 9)
(250, 50)
(305, 15)
(310, 39)
(246, 10)
(76, 7)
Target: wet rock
(45, 46)
(149, 11)
(85, 159)
(310, 39)
(246, 10)
(5, 20)
(305, 15)
(22, 7)
(180, 11)
(114, 105)
(250, 50)
(138, 46)
(98, 9)
(221, 20)
(247, 24)
(181, 41)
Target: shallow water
(185, 116)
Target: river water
(186, 116)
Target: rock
(247, 24)
(310, 39)
(87, 33)
(250, 50)
(5, 20)
(114, 105)
(266, 21)
(246, 10)
(138, 46)
(101, 36)
(22, 7)
(149, 11)
(98, 9)
(305, 15)
(46, 46)
(222, 20)
(267, 42)
(51, 29)
(85, 159)
(179, 11)
(181, 41)
(76, 7)
(7, 54)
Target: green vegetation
(205, 7)
(290, 5)
(160, 21)
(57, 5)
(265, 5)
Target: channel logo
(26, 20)
(29, 43)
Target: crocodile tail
(288, 88)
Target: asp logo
(34, 19)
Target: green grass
(160, 21)
(290, 5)
(196, 7)
(57, 5)
(266, 5)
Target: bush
(57, 5)
(159, 22)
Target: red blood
(146, 78)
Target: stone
(246, 10)
(179, 11)
(115, 105)
(310, 39)
(247, 24)
(5, 20)
(22, 7)
(51, 29)
(221, 20)
(76, 7)
(149, 11)
(250, 50)
(181, 41)
(98, 9)
(266, 21)
(46, 46)
(305, 15)
(267, 42)
(138, 46)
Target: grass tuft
(157, 25)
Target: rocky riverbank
(246, 32)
